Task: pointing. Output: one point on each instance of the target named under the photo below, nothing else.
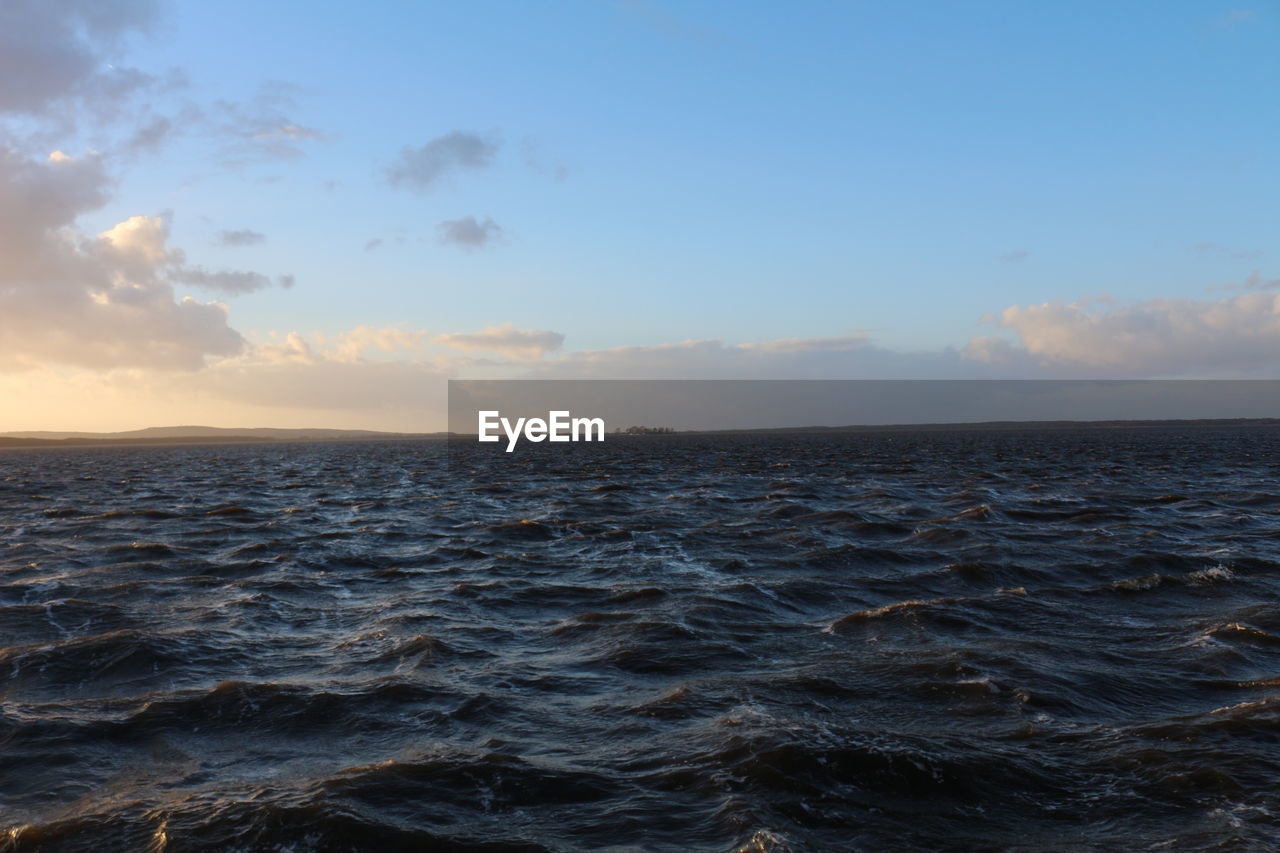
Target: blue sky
(746, 173)
(761, 173)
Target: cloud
(139, 245)
(99, 302)
(385, 368)
(1209, 248)
(1015, 256)
(55, 54)
(1238, 335)
(468, 233)
(240, 237)
(62, 73)
(61, 67)
(323, 383)
(389, 377)
(37, 200)
(421, 168)
(844, 343)
(506, 340)
(150, 135)
(108, 301)
(358, 343)
(230, 282)
(1255, 281)
(366, 377)
(398, 238)
(262, 128)
(353, 371)
(846, 357)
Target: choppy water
(954, 641)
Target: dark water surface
(948, 641)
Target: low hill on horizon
(199, 435)
(194, 431)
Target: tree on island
(645, 430)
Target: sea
(943, 640)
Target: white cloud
(1238, 335)
(138, 245)
(845, 343)
(105, 302)
(506, 340)
(138, 242)
(356, 344)
(333, 376)
(848, 357)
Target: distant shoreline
(232, 437)
(174, 441)
(1007, 426)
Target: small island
(643, 430)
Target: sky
(313, 214)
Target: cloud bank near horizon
(124, 308)
(394, 377)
